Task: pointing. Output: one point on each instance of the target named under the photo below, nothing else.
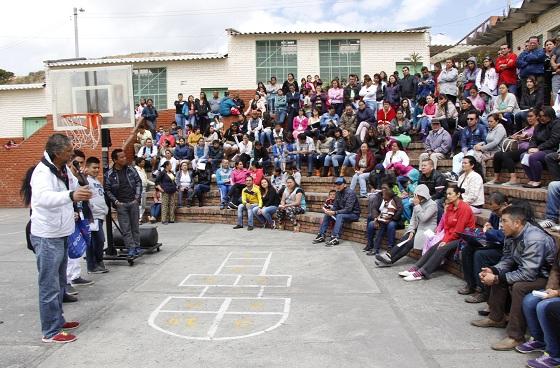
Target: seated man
(149, 153)
(203, 177)
(305, 147)
(346, 208)
(329, 121)
(474, 133)
(436, 183)
(141, 136)
(528, 256)
(250, 197)
(437, 144)
(223, 180)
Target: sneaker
(96, 270)
(238, 227)
(530, 346)
(70, 325)
(81, 282)
(138, 251)
(70, 290)
(102, 267)
(60, 338)
(381, 264)
(131, 253)
(505, 344)
(67, 298)
(555, 228)
(406, 273)
(318, 239)
(232, 206)
(222, 206)
(415, 276)
(332, 242)
(544, 361)
(547, 224)
(249, 228)
(383, 258)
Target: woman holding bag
(458, 216)
(166, 184)
(511, 150)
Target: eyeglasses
(471, 118)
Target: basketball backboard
(103, 90)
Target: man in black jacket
(408, 85)
(352, 91)
(436, 183)
(123, 186)
(346, 208)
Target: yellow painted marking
(242, 322)
(238, 269)
(211, 280)
(262, 280)
(173, 321)
(191, 322)
(193, 304)
(258, 305)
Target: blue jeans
(360, 178)
(370, 233)
(180, 119)
(247, 207)
(333, 160)
(271, 102)
(201, 188)
(267, 212)
(266, 134)
(341, 218)
(512, 88)
(553, 201)
(534, 311)
(155, 210)
(372, 105)
(52, 258)
(224, 190)
(281, 115)
(424, 124)
(309, 158)
(408, 206)
(94, 250)
(349, 160)
(390, 228)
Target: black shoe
(69, 298)
(381, 264)
(332, 242)
(249, 228)
(232, 206)
(383, 259)
(81, 282)
(70, 290)
(101, 265)
(366, 248)
(222, 206)
(483, 312)
(96, 270)
(238, 227)
(319, 239)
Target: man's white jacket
(52, 213)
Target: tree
(415, 58)
(5, 76)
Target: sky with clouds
(34, 31)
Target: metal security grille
(276, 58)
(150, 83)
(339, 58)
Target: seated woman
(485, 151)
(458, 216)
(155, 208)
(185, 183)
(270, 202)
(506, 105)
(474, 256)
(446, 113)
(506, 160)
(429, 111)
(472, 184)
(291, 205)
(336, 157)
(400, 128)
(531, 98)
(365, 163)
(385, 210)
(424, 217)
(238, 176)
(545, 140)
(200, 153)
(384, 118)
(395, 155)
(300, 123)
(323, 147)
(352, 148)
(232, 137)
(542, 314)
(244, 151)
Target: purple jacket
(438, 142)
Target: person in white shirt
(245, 151)
(395, 155)
(168, 156)
(487, 76)
(471, 181)
(146, 183)
(99, 209)
(368, 93)
(149, 153)
(54, 189)
(141, 136)
(305, 148)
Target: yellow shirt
(255, 198)
(193, 139)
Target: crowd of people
(505, 110)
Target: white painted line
(15, 232)
(261, 292)
(182, 283)
(221, 313)
(237, 280)
(236, 286)
(223, 264)
(214, 312)
(266, 264)
(289, 282)
(203, 291)
(241, 266)
(246, 258)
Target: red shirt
(456, 220)
(170, 138)
(386, 117)
(509, 74)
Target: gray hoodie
(424, 216)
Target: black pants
(399, 252)
(474, 259)
(506, 161)
(235, 193)
(432, 259)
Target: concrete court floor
(283, 302)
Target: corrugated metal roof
(128, 60)
(12, 87)
(234, 32)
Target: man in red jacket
(506, 68)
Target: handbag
(79, 239)
(509, 145)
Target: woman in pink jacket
(238, 176)
(300, 123)
(336, 96)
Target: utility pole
(76, 47)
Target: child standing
(99, 209)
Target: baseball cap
(339, 181)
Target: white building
(251, 57)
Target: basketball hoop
(83, 129)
